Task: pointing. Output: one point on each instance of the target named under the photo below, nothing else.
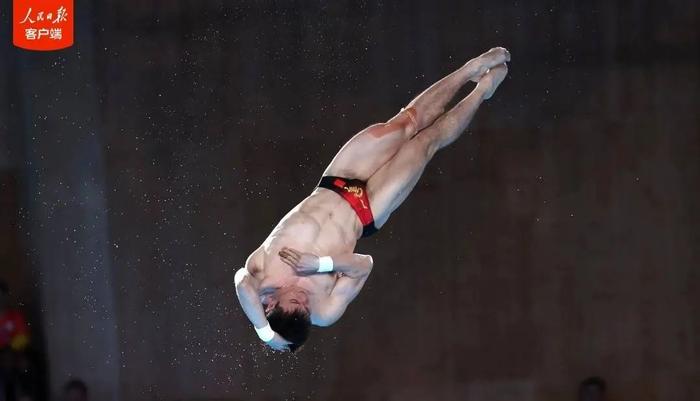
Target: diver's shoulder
(254, 262)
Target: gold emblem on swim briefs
(357, 191)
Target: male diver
(306, 272)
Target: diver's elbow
(370, 263)
(241, 277)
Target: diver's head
(289, 316)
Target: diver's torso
(322, 224)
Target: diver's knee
(425, 144)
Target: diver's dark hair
(292, 326)
(594, 381)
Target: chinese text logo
(42, 24)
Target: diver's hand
(303, 264)
(278, 343)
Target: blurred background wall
(557, 239)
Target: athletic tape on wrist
(325, 264)
(265, 333)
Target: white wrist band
(265, 333)
(325, 264)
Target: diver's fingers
(291, 264)
(295, 256)
(296, 253)
(288, 251)
(287, 254)
(289, 261)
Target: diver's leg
(371, 148)
(392, 183)
(431, 104)
(374, 146)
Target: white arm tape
(265, 333)
(325, 264)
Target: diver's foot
(491, 79)
(486, 61)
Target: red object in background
(42, 24)
(14, 332)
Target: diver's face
(293, 299)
